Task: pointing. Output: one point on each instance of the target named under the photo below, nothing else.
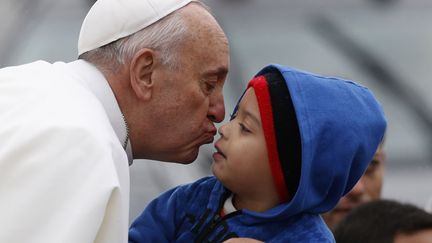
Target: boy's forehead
(248, 100)
(249, 106)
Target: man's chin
(190, 154)
(187, 158)
(187, 161)
(181, 160)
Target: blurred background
(383, 44)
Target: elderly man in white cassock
(147, 85)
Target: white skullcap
(110, 20)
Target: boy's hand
(242, 240)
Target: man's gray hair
(164, 36)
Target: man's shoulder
(40, 98)
(49, 101)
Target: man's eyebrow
(217, 71)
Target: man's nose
(216, 111)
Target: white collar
(228, 205)
(99, 86)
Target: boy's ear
(141, 69)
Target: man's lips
(209, 140)
(212, 129)
(209, 136)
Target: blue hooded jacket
(340, 124)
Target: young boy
(297, 142)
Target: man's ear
(141, 69)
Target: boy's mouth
(219, 151)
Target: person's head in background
(167, 77)
(385, 221)
(367, 189)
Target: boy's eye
(243, 128)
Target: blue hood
(341, 125)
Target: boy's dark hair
(380, 221)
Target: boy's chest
(203, 226)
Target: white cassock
(64, 156)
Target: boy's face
(241, 161)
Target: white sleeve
(58, 185)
